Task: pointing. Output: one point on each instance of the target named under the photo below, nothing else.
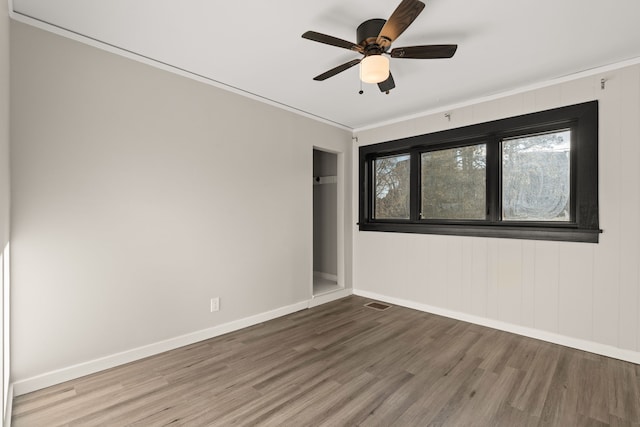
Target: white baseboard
(326, 276)
(580, 344)
(90, 367)
(329, 296)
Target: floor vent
(377, 306)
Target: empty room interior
(335, 213)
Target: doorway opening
(325, 222)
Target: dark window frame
(582, 119)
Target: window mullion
(370, 184)
(414, 186)
(574, 175)
(493, 179)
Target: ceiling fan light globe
(374, 69)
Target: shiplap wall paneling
(575, 290)
(510, 281)
(436, 271)
(528, 283)
(454, 262)
(546, 286)
(480, 275)
(467, 275)
(492, 279)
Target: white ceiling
(256, 46)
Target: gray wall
(325, 225)
(138, 195)
(4, 179)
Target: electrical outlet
(215, 304)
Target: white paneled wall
(579, 294)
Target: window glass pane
(454, 183)
(536, 180)
(392, 187)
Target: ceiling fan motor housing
(367, 35)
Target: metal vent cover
(377, 305)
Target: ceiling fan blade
(400, 19)
(340, 68)
(330, 40)
(425, 52)
(387, 85)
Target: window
(454, 183)
(392, 187)
(532, 177)
(536, 177)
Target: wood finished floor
(342, 364)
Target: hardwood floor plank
(623, 387)
(490, 396)
(366, 403)
(317, 410)
(397, 403)
(508, 416)
(85, 404)
(25, 407)
(533, 390)
(593, 400)
(442, 387)
(561, 402)
(617, 422)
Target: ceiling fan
(374, 39)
